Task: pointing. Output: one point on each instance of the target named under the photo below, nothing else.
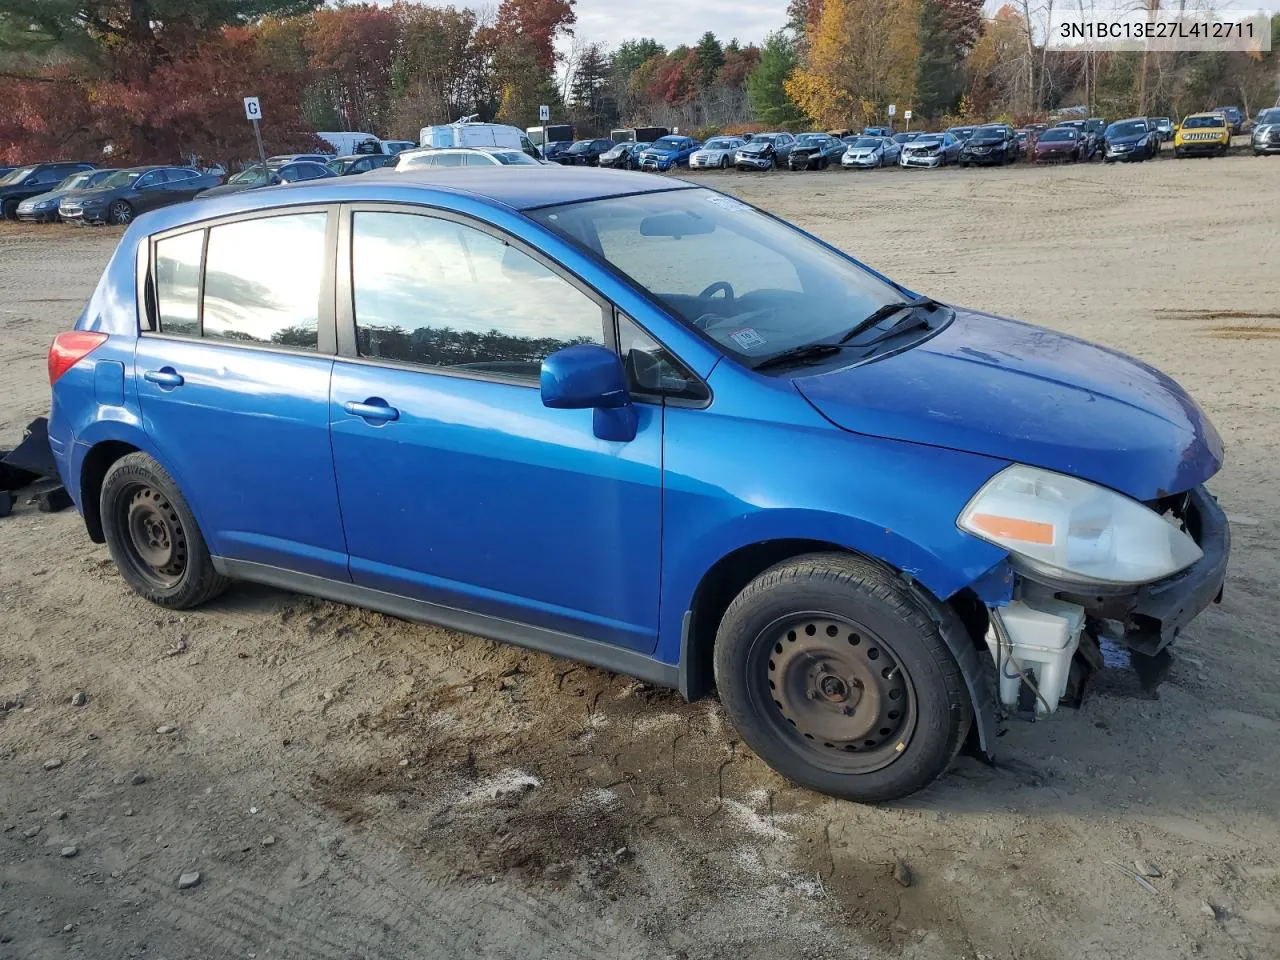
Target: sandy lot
(348, 785)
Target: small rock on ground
(268, 841)
(53, 764)
(902, 873)
(79, 698)
(30, 832)
(188, 880)
(1209, 910)
(59, 814)
(138, 779)
(166, 728)
(69, 851)
(1146, 869)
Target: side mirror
(586, 376)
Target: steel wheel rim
(154, 537)
(835, 691)
(120, 210)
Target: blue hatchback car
(645, 425)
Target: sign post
(253, 113)
(907, 115)
(893, 109)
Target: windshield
(961, 132)
(16, 176)
(1058, 133)
(761, 139)
(121, 179)
(1269, 116)
(668, 143)
(582, 146)
(254, 175)
(1193, 123)
(511, 157)
(809, 139)
(1127, 128)
(721, 143)
(866, 143)
(989, 133)
(754, 284)
(74, 182)
(928, 140)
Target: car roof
(1207, 113)
(497, 186)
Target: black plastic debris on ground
(29, 467)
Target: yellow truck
(1202, 133)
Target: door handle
(165, 377)
(372, 409)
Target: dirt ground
(351, 786)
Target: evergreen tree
(710, 57)
(765, 84)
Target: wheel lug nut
(811, 694)
(823, 668)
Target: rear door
(182, 184)
(232, 371)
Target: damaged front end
(1089, 568)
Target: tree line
(163, 80)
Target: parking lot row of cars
(80, 191)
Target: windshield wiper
(911, 321)
(810, 351)
(884, 312)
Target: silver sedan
(867, 152)
(717, 152)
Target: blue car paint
(668, 152)
(859, 457)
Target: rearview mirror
(675, 225)
(587, 376)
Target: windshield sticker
(747, 338)
(727, 203)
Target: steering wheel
(718, 286)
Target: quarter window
(263, 278)
(177, 273)
(440, 293)
(651, 369)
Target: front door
(234, 387)
(457, 486)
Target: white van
(345, 143)
(468, 133)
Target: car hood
(1130, 139)
(1057, 144)
(662, 151)
(1011, 390)
(755, 148)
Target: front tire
(837, 677)
(10, 210)
(153, 536)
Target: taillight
(69, 349)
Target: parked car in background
(444, 157)
(717, 152)
(129, 192)
(623, 156)
(1096, 127)
(468, 132)
(1065, 143)
(1164, 128)
(764, 151)
(350, 166)
(1131, 140)
(1234, 115)
(552, 149)
(43, 207)
(5, 171)
(877, 131)
(669, 152)
(22, 183)
(256, 176)
(869, 152)
(930, 150)
(990, 144)
(815, 151)
(961, 133)
(905, 137)
(283, 158)
(1090, 136)
(1265, 137)
(1203, 134)
(393, 147)
(470, 410)
(585, 153)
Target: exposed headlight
(1076, 531)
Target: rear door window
(263, 280)
(177, 283)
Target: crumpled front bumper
(1150, 618)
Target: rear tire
(153, 536)
(837, 677)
